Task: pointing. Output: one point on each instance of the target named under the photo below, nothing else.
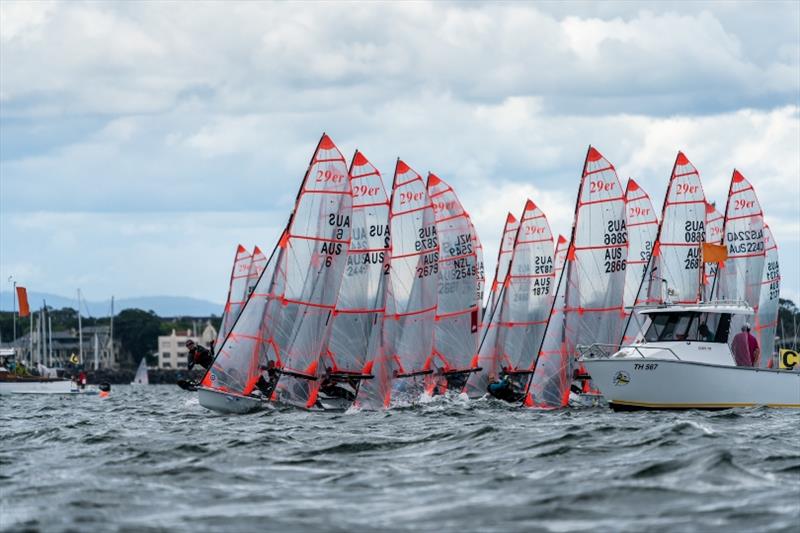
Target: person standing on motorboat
(745, 347)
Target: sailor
(504, 389)
(267, 386)
(745, 347)
(332, 386)
(198, 355)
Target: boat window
(673, 327)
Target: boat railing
(710, 303)
(605, 351)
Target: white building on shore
(172, 352)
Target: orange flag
(22, 297)
(714, 253)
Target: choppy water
(150, 458)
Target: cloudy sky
(141, 142)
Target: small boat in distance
(141, 377)
(685, 361)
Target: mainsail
(257, 264)
(357, 322)
(458, 309)
(525, 303)
(237, 293)
(414, 280)
(592, 283)
(503, 259)
(141, 377)
(767, 316)
(676, 256)
(642, 225)
(714, 223)
(740, 276)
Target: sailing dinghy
(414, 271)
(458, 307)
(285, 323)
(355, 340)
(141, 377)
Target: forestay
(642, 224)
(237, 293)
(767, 315)
(358, 318)
(312, 262)
(458, 307)
(676, 257)
(414, 279)
(740, 277)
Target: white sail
(740, 278)
(257, 264)
(676, 256)
(414, 280)
(458, 307)
(237, 293)
(642, 224)
(358, 319)
(768, 306)
(141, 377)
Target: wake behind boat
(684, 361)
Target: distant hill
(165, 306)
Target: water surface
(150, 458)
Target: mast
(50, 343)
(96, 351)
(30, 338)
(80, 331)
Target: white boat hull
(637, 383)
(30, 386)
(226, 402)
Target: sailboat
(414, 271)
(587, 306)
(488, 354)
(457, 319)
(141, 377)
(285, 323)
(355, 339)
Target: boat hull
(226, 402)
(635, 384)
(37, 386)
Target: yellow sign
(789, 359)
(73, 359)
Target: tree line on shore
(136, 330)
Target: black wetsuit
(200, 355)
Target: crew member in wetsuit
(331, 386)
(199, 355)
(504, 388)
(267, 386)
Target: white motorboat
(11, 384)
(685, 361)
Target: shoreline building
(172, 352)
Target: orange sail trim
(22, 298)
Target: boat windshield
(688, 326)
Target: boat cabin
(700, 332)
